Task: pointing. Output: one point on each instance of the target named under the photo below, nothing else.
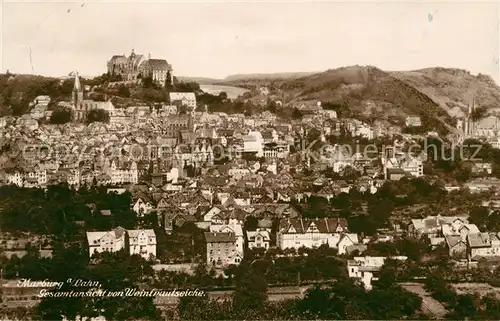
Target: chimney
(149, 56)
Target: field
(481, 288)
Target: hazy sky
(215, 39)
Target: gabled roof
(327, 225)
(214, 237)
(158, 64)
(181, 96)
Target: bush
(60, 115)
(97, 115)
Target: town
(137, 179)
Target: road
(430, 306)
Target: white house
(258, 239)
(142, 242)
(254, 143)
(107, 241)
(346, 241)
(366, 268)
(187, 99)
(297, 233)
(140, 207)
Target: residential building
(233, 227)
(483, 245)
(222, 249)
(107, 241)
(258, 239)
(413, 121)
(183, 99)
(366, 269)
(142, 242)
(297, 233)
(347, 241)
(432, 226)
(140, 207)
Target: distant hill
(453, 89)
(199, 80)
(284, 75)
(434, 94)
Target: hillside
(199, 80)
(367, 92)
(284, 75)
(453, 89)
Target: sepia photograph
(249, 160)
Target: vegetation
(61, 115)
(114, 272)
(344, 299)
(97, 115)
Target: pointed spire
(472, 104)
(77, 86)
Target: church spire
(472, 105)
(77, 86)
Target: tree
(183, 109)
(251, 288)
(97, 115)
(251, 223)
(123, 91)
(297, 114)
(168, 80)
(60, 115)
(479, 216)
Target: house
(214, 216)
(413, 121)
(258, 239)
(221, 249)
(107, 241)
(366, 268)
(432, 226)
(457, 247)
(346, 241)
(183, 99)
(482, 245)
(297, 233)
(142, 242)
(233, 227)
(395, 174)
(482, 168)
(140, 207)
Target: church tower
(77, 98)
(470, 119)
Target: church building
(82, 106)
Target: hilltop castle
(135, 66)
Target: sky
(216, 39)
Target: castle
(135, 66)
